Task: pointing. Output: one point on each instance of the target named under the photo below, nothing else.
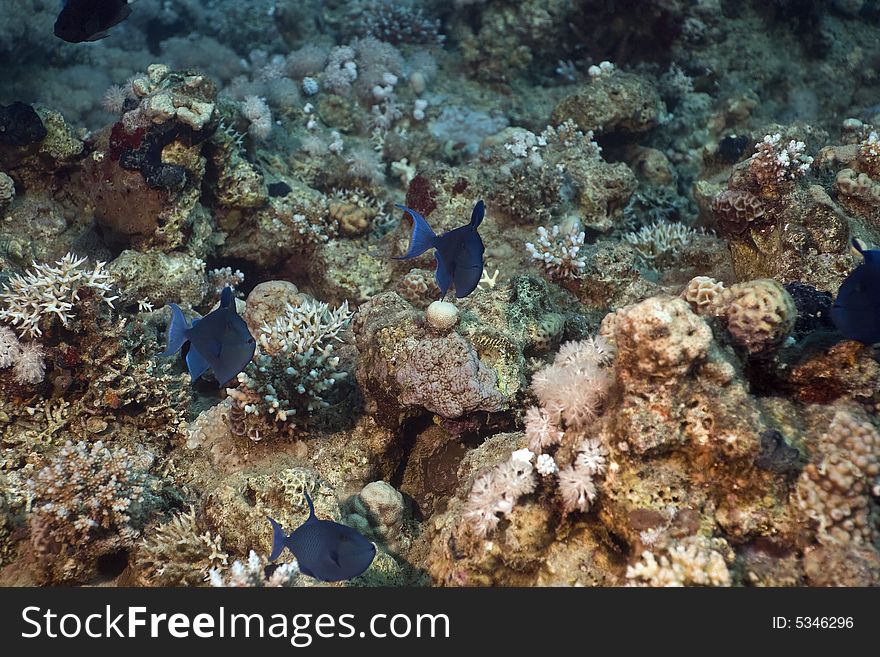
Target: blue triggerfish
(459, 252)
(324, 549)
(220, 340)
(856, 310)
(89, 20)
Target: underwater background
(652, 362)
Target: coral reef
(647, 387)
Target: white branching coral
(523, 142)
(559, 252)
(178, 554)
(775, 162)
(497, 491)
(305, 326)
(51, 291)
(84, 489)
(252, 574)
(224, 277)
(695, 561)
(661, 239)
(296, 371)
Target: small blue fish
(856, 310)
(219, 341)
(89, 20)
(459, 252)
(324, 549)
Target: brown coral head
(736, 209)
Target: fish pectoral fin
(98, 36)
(466, 280)
(195, 363)
(443, 275)
(177, 329)
(334, 557)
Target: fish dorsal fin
(226, 300)
(478, 214)
(312, 517)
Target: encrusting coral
(648, 386)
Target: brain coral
(760, 314)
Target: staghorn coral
(49, 292)
(86, 491)
(559, 252)
(252, 574)
(296, 373)
(177, 554)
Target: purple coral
(444, 375)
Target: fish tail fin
(423, 238)
(279, 540)
(176, 331)
(478, 213)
